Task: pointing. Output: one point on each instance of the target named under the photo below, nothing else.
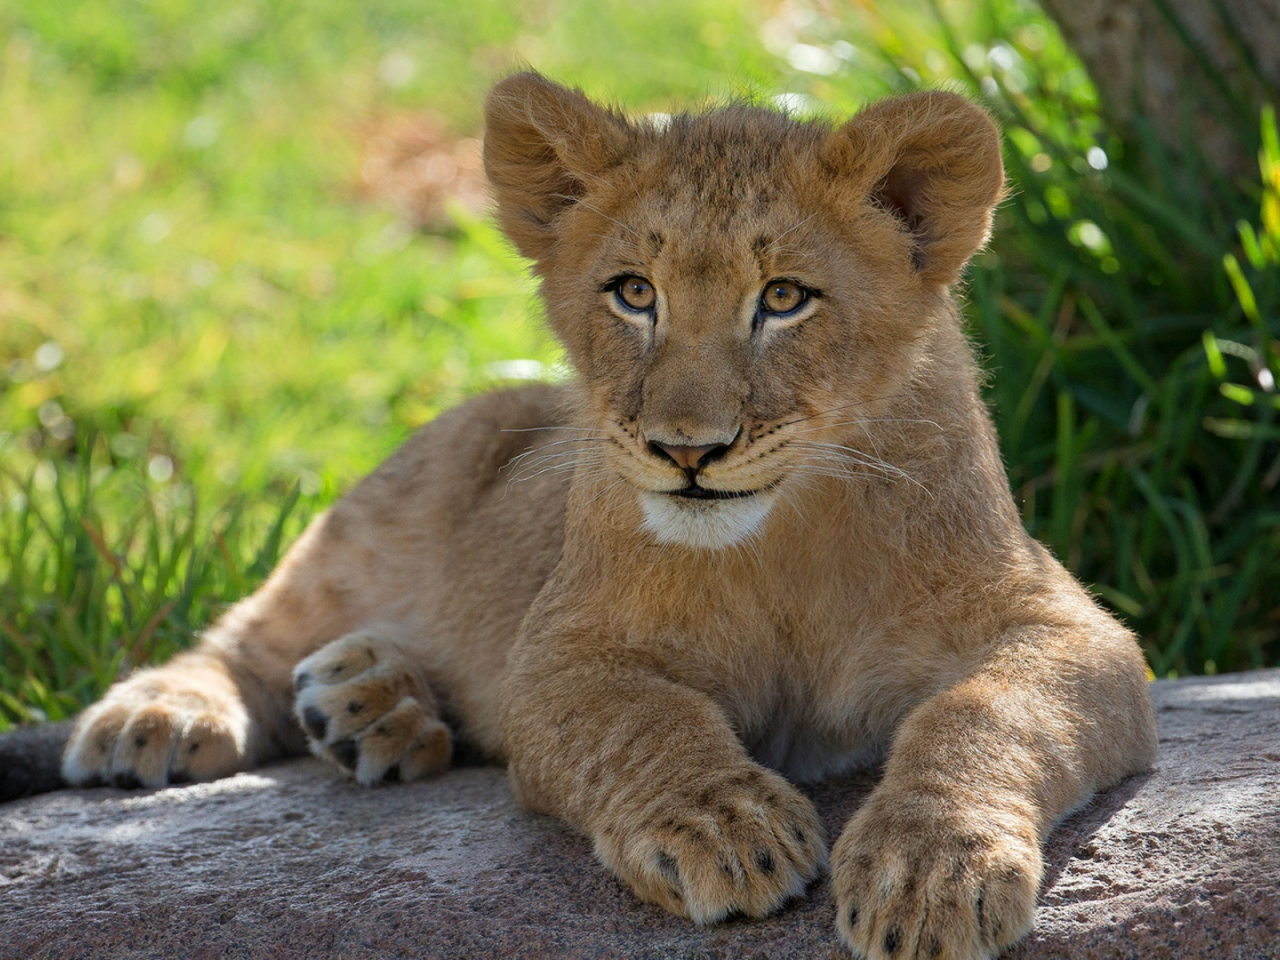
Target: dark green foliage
(1134, 361)
(104, 573)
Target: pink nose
(689, 458)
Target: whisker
(555, 443)
(848, 459)
(748, 543)
(857, 456)
(565, 458)
(834, 473)
(847, 406)
(566, 467)
(537, 460)
(790, 501)
(863, 421)
(606, 489)
(778, 238)
(612, 239)
(536, 429)
(569, 198)
(570, 473)
(843, 467)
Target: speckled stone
(291, 861)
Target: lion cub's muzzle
(698, 514)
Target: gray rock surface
(291, 861)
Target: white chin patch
(707, 524)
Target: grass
(208, 331)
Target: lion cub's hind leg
(366, 706)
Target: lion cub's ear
(932, 160)
(543, 144)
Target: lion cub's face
(743, 294)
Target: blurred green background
(227, 292)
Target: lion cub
(765, 538)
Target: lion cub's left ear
(932, 160)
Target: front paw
(740, 841)
(913, 881)
(183, 721)
(364, 707)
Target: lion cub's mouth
(695, 492)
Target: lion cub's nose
(689, 458)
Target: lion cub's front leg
(365, 705)
(944, 860)
(652, 771)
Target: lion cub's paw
(364, 707)
(741, 841)
(910, 885)
(167, 725)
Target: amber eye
(636, 293)
(782, 297)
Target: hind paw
(365, 707)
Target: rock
(291, 861)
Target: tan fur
(522, 571)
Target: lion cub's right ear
(543, 145)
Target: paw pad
(315, 721)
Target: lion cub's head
(737, 288)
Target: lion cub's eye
(782, 297)
(635, 293)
